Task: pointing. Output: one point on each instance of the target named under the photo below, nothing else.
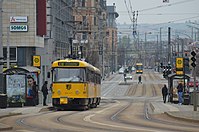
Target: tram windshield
(69, 75)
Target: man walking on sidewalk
(164, 93)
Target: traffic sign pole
(194, 97)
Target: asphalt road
(124, 108)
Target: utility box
(192, 98)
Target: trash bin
(186, 99)
(3, 101)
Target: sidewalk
(19, 111)
(181, 112)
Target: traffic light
(186, 66)
(161, 65)
(169, 69)
(193, 58)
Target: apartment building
(91, 17)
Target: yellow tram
(75, 84)
(139, 68)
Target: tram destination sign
(68, 63)
(18, 28)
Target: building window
(13, 53)
(84, 36)
(81, 3)
(95, 21)
(84, 21)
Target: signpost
(193, 64)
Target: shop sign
(19, 19)
(18, 28)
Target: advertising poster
(31, 78)
(16, 88)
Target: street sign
(179, 62)
(179, 66)
(36, 60)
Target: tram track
(131, 90)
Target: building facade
(20, 31)
(112, 32)
(59, 24)
(91, 15)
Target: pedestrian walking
(139, 79)
(45, 92)
(164, 93)
(125, 77)
(180, 92)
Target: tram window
(68, 75)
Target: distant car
(121, 70)
(133, 69)
(129, 77)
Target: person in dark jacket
(180, 92)
(35, 93)
(164, 93)
(45, 92)
(140, 79)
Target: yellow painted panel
(179, 72)
(36, 60)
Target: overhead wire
(128, 11)
(161, 6)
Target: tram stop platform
(181, 112)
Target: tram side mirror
(48, 75)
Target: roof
(178, 76)
(77, 63)
(22, 70)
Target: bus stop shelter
(16, 85)
(173, 81)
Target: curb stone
(170, 114)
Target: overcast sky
(155, 11)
